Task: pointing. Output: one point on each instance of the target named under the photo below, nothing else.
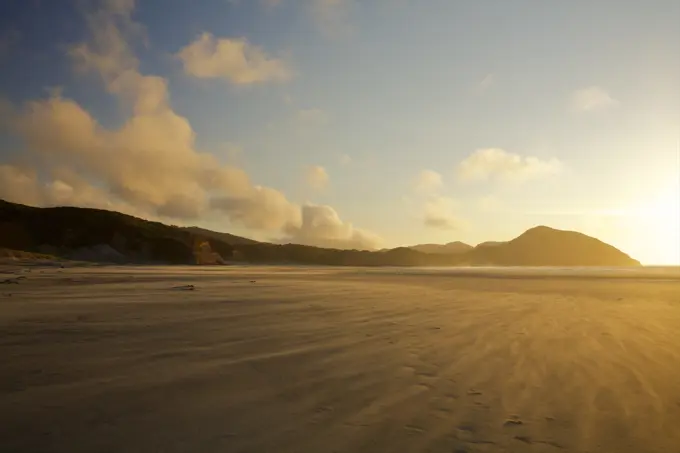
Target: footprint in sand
(423, 386)
(513, 420)
(414, 429)
(426, 374)
(467, 427)
(525, 439)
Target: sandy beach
(302, 360)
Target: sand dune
(339, 360)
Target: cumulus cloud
(316, 177)
(149, 166)
(427, 181)
(591, 98)
(498, 164)
(20, 185)
(321, 226)
(234, 60)
(439, 213)
(259, 208)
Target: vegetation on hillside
(68, 231)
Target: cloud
(316, 177)
(234, 60)
(427, 181)
(21, 184)
(149, 166)
(498, 164)
(591, 98)
(489, 203)
(439, 213)
(321, 226)
(259, 208)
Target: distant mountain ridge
(107, 236)
(545, 246)
(451, 247)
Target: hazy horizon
(348, 124)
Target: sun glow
(658, 220)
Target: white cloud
(149, 166)
(234, 60)
(591, 98)
(498, 164)
(316, 177)
(427, 181)
(439, 213)
(322, 227)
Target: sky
(348, 123)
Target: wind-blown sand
(106, 359)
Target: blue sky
(351, 123)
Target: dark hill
(224, 237)
(544, 246)
(99, 235)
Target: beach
(311, 359)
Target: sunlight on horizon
(658, 221)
